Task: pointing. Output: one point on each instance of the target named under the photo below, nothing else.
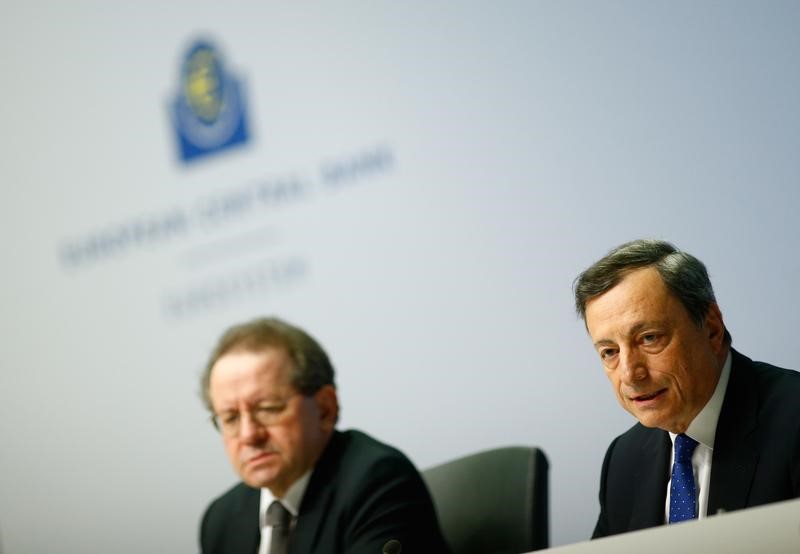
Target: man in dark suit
(306, 486)
(716, 431)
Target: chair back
(493, 502)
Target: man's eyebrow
(643, 325)
(270, 402)
(634, 329)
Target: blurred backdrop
(415, 183)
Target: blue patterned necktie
(682, 495)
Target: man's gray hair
(684, 275)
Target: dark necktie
(682, 492)
(279, 518)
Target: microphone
(392, 546)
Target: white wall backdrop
(422, 183)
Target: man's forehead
(244, 369)
(640, 299)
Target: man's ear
(715, 328)
(328, 406)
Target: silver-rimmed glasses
(265, 414)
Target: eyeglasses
(264, 414)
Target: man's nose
(633, 366)
(250, 430)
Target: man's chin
(260, 477)
(258, 480)
(651, 424)
(648, 419)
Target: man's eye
(649, 338)
(229, 419)
(268, 412)
(270, 408)
(607, 353)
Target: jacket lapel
(735, 454)
(651, 477)
(305, 536)
(244, 532)
(317, 499)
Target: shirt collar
(704, 426)
(291, 500)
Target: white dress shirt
(291, 501)
(703, 429)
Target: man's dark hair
(311, 368)
(684, 275)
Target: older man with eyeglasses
(306, 486)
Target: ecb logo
(208, 111)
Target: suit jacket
(361, 494)
(756, 457)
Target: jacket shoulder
(229, 514)
(776, 389)
(362, 456)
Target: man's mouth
(260, 457)
(647, 397)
